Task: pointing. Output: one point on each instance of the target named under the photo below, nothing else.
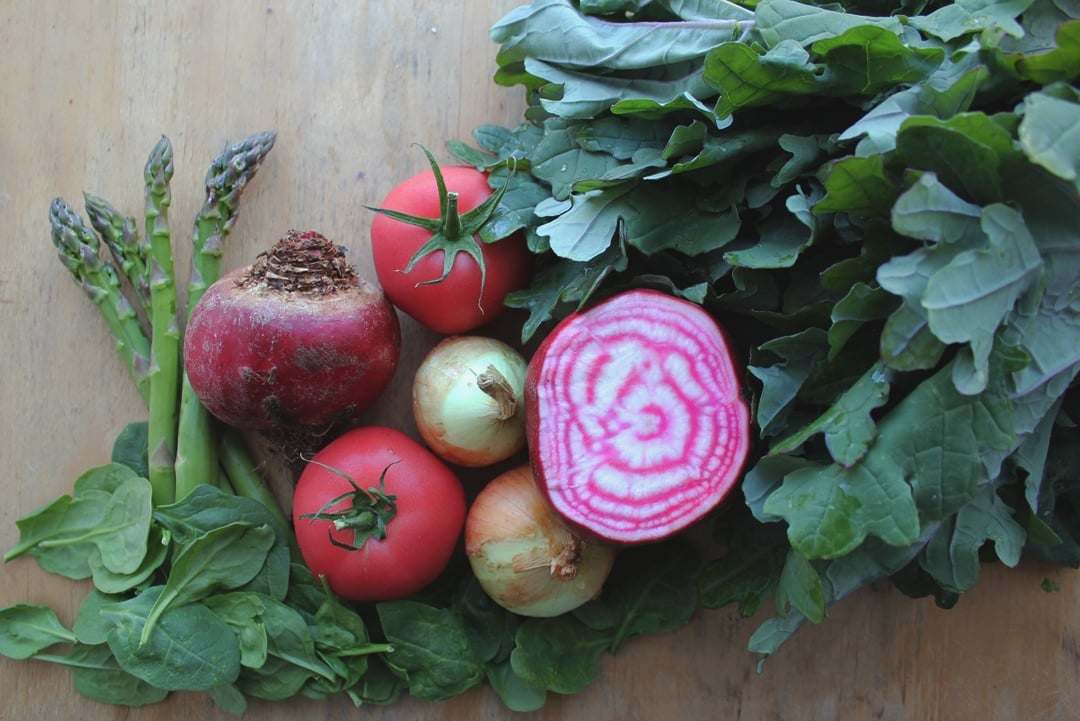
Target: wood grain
(87, 88)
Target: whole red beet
(297, 340)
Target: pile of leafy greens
(879, 201)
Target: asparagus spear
(197, 458)
(226, 179)
(79, 251)
(225, 182)
(243, 475)
(164, 327)
(129, 251)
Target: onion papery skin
(635, 419)
(459, 421)
(267, 359)
(526, 558)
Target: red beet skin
(266, 351)
(635, 420)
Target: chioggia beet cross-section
(636, 422)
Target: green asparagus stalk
(229, 174)
(246, 481)
(225, 182)
(244, 475)
(79, 251)
(164, 326)
(129, 251)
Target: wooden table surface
(86, 88)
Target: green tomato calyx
(452, 232)
(367, 515)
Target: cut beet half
(636, 424)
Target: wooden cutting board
(87, 88)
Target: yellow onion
(467, 400)
(525, 556)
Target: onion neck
(564, 563)
(495, 384)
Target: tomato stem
(452, 228)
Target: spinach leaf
(27, 629)
(96, 675)
(208, 508)
(343, 643)
(121, 540)
(277, 679)
(489, 626)
(379, 685)
(652, 589)
(223, 558)
(88, 627)
(290, 638)
(242, 611)
(104, 479)
(278, 650)
(229, 698)
(187, 648)
(560, 654)
(43, 523)
(109, 513)
(131, 448)
(432, 650)
(747, 571)
(516, 693)
(27, 632)
(108, 581)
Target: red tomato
(419, 538)
(457, 303)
